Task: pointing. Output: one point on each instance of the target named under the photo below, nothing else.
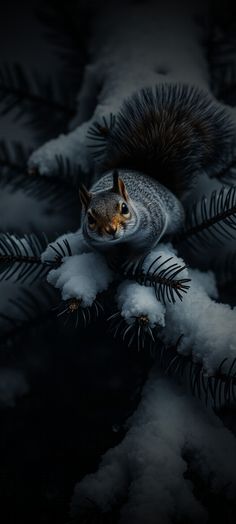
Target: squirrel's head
(108, 215)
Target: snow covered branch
(208, 327)
(150, 464)
(82, 277)
(118, 74)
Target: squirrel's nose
(111, 229)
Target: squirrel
(160, 141)
(129, 209)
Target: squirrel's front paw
(82, 277)
(67, 244)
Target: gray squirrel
(160, 141)
(128, 209)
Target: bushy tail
(171, 133)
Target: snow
(149, 463)
(76, 243)
(81, 276)
(168, 256)
(85, 275)
(134, 300)
(72, 146)
(215, 336)
(209, 328)
(114, 48)
(206, 280)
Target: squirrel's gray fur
(155, 211)
(160, 140)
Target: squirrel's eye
(124, 209)
(91, 219)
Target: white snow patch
(135, 300)
(209, 328)
(149, 466)
(206, 280)
(82, 276)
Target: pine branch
(29, 310)
(218, 389)
(72, 311)
(212, 219)
(138, 334)
(20, 258)
(16, 87)
(61, 249)
(35, 97)
(67, 173)
(40, 188)
(228, 174)
(13, 158)
(71, 173)
(15, 177)
(162, 276)
(99, 133)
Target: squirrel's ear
(119, 186)
(85, 196)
